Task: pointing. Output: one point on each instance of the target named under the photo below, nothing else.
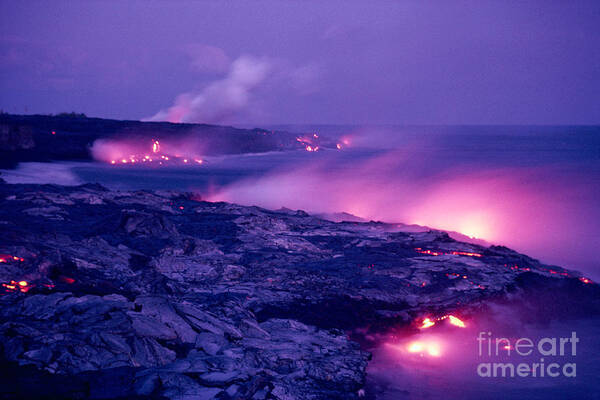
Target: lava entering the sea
(156, 158)
(156, 154)
(429, 322)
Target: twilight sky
(270, 62)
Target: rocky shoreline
(69, 137)
(146, 294)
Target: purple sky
(266, 62)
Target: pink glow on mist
(109, 150)
(520, 208)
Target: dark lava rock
(70, 137)
(155, 295)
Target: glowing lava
(441, 253)
(66, 279)
(146, 158)
(4, 258)
(14, 286)
(429, 322)
(415, 347)
(456, 321)
(424, 347)
(310, 142)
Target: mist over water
(394, 373)
(534, 189)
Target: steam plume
(221, 99)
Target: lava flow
(14, 286)
(419, 347)
(4, 258)
(156, 158)
(311, 142)
(441, 253)
(429, 322)
(128, 152)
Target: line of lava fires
(22, 285)
(478, 255)
(156, 157)
(311, 143)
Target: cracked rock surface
(159, 295)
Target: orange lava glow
(427, 322)
(585, 280)
(441, 253)
(465, 253)
(424, 347)
(66, 279)
(4, 258)
(430, 321)
(415, 347)
(146, 158)
(456, 321)
(13, 286)
(310, 143)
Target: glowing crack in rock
(4, 258)
(66, 279)
(14, 286)
(441, 253)
(430, 321)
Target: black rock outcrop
(158, 295)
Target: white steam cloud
(222, 99)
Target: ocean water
(533, 188)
